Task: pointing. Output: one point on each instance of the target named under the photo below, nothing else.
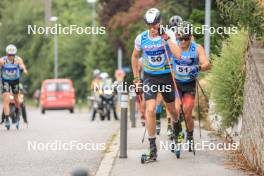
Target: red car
(57, 94)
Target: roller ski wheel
(147, 159)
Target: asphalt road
(43, 148)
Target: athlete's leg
(141, 106)
(150, 117)
(15, 91)
(188, 104)
(6, 98)
(150, 100)
(188, 93)
(6, 101)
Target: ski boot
(152, 154)
(158, 127)
(191, 142)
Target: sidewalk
(204, 163)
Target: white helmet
(152, 16)
(104, 75)
(96, 72)
(11, 49)
(175, 21)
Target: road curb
(110, 156)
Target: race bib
(183, 70)
(156, 60)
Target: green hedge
(227, 79)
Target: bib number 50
(156, 60)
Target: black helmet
(175, 21)
(186, 29)
(152, 16)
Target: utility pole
(119, 58)
(47, 4)
(207, 27)
(54, 20)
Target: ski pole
(143, 138)
(198, 107)
(144, 135)
(202, 90)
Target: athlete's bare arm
(204, 62)
(134, 62)
(22, 65)
(1, 62)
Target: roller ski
(191, 142)
(151, 156)
(7, 123)
(177, 144)
(17, 123)
(177, 139)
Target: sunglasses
(185, 38)
(10, 55)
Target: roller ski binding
(152, 154)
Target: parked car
(57, 94)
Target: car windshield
(62, 86)
(51, 87)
